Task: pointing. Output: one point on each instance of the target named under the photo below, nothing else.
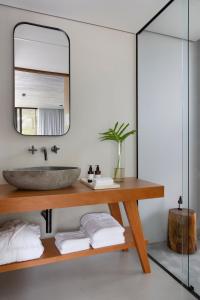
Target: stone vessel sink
(42, 178)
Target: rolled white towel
(20, 254)
(103, 181)
(19, 241)
(68, 242)
(17, 233)
(102, 229)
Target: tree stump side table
(182, 230)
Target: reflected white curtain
(50, 121)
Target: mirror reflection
(42, 80)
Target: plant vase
(118, 134)
(119, 170)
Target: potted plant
(118, 134)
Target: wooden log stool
(182, 230)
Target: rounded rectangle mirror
(41, 80)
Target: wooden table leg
(136, 226)
(115, 212)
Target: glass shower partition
(163, 134)
(194, 144)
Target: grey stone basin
(42, 178)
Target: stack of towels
(97, 230)
(19, 241)
(103, 181)
(102, 229)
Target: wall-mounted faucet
(55, 149)
(44, 150)
(32, 149)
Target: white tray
(102, 187)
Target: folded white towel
(103, 181)
(68, 242)
(107, 243)
(19, 241)
(102, 229)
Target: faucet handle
(55, 149)
(32, 149)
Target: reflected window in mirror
(42, 80)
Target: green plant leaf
(120, 127)
(127, 134)
(115, 128)
(116, 134)
(123, 129)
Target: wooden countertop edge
(12, 200)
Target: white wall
(102, 91)
(44, 57)
(41, 49)
(163, 126)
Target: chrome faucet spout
(44, 150)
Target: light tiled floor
(113, 276)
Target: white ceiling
(174, 20)
(127, 15)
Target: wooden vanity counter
(131, 190)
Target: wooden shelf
(52, 255)
(130, 191)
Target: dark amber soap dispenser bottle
(90, 174)
(97, 172)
